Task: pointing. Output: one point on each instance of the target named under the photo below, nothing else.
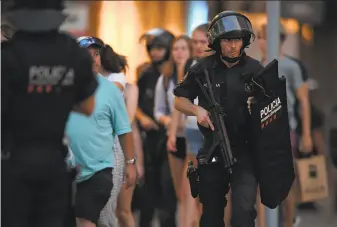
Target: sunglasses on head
(90, 41)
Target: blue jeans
(194, 140)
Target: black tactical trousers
(215, 182)
(157, 191)
(34, 188)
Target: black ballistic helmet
(160, 38)
(230, 25)
(35, 15)
(157, 37)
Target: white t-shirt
(191, 122)
(118, 77)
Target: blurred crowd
(164, 139)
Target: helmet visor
(150, 35)
(231, 25)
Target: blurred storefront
(312, 31)
(292, 27)
(82, 17)
(121, 23)
(256, 11)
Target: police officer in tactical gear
(157, 42)
(157, 39)
(229, 34)
(157, 175)
(45, 74)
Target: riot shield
(271, 137)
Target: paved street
(322, 218)
(325, 216)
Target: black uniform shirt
(229, 91)
(44, 76)
(147, 86)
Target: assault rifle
(220, 136)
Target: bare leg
(318, 141)
(260, 211)
(80, 222)
(192, 211)
(123, 212)
(289, 209)
(228, 213)
(177, 171)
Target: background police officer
(45, 74)
(229, 34)
(158, 44)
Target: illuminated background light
(197, 14)
(121, 31)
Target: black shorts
(181, 148)
(93, 194)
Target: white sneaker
(296, 222)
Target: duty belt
(204, 161)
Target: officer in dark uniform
(158, 45)
(45, 74)
(157, 173)
(229, 34)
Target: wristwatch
(131, 161)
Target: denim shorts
(194, 140)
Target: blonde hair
(202, 28)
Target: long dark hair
(169, 68)
(111, 61)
